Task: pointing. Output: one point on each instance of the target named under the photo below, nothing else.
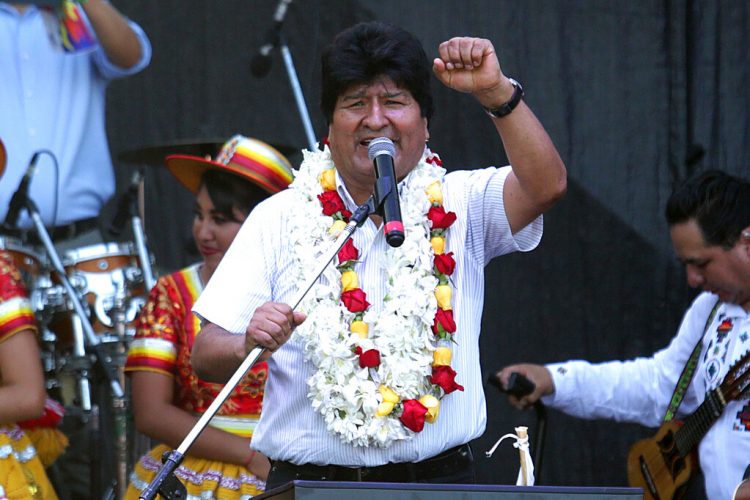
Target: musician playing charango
(709, 220)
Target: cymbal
(154, 154)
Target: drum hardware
(83, 331)
(129, 206)
(120, 404)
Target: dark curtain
(636, 95)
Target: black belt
(76, 228)
(444, 464)
(66, 232)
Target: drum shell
(100, 273)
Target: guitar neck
(697, 424)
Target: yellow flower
(438, 244)
(360, 328)
(443, 294)
(388, 394)
(336, 228)
(349, 281)
(433, 407)
(442, 356)
(435, 193)
(328, 179)
(384, 408)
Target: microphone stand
(83, 334)
(171, 460)
(297, 91)
(90, 337)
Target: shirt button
(24, 56)
(32, 132)
(29, 93)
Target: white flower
(344, 394)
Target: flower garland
(379, 377)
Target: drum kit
(108, 280)
(86, 302)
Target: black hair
(368, 50)
(228, 191)
(717, 201)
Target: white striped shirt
(253, 272)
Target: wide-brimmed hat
(245, 157)
(3, 158)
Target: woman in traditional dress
(167, 396)
(22, 393)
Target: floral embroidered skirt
(202, 478)
(22, 475)
(49, 443)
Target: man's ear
(745, 239)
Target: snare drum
(29, 262)
(109, 278)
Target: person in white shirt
(709, 221)
(381, 381)
(53, 101)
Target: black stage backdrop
(636, 95)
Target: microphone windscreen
(379, 146)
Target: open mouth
(366, 142)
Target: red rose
(444, 319)
(445, 263)
(440, 218)
(348, 252)
(355, 300)
(369, 359)
(331, 202)
(445, 377)
(414, 415)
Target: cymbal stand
(165, 483)
(120, 404)
(128, 205)
(139, 235)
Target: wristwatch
(505, 109)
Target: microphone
(381, 151)
(22, 193)
(126, 201)
(261, 63)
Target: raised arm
(117, 38)
(539, 177)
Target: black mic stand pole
(297, 91)
(83, 333)
(165, 483)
